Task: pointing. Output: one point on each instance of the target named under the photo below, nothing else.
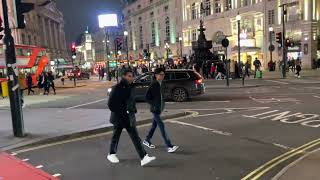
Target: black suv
(179, 84)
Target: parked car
(180, 85)
(78, 74)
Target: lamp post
(180, 40)
(167, 47)
(271, 46)
(125, 33)
(238, 18)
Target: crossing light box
(108, 20)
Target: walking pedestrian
(212, 70)
(257, 65)
(29, 83)
(298, 68)
(40, 82)
(21, 81)
(51, 82)
(122, 105)
(46, 84)
(247, 69)
(155, 98)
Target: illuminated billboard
(108, 20)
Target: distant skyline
(78, 15)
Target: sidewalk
(315, 73)
(305, 168)
(41, 124)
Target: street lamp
(125, 33)
(271, 47)
(167, 47)
(180, 40)
(238, 18)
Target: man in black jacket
(155, 98)
(123, 108)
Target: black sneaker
(149, 144)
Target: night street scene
(160, 90)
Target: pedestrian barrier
(4, 89)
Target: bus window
(3, 73)
(26, 52)
(19, 52)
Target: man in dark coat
(123, 108)
(155, 98)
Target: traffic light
(20, 9)
(1, 29)
(119, 44)
(73, 51)
(279, 38)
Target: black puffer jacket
(118, 102)
(155, 97)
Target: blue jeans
(158, 122)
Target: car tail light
(78, 74)
(199, 81)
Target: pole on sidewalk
(12, 71)
(284, 47)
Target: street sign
(271, 48)
(225, 42)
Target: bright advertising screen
(108, 20)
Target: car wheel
(179, 95)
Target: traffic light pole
(284, 50)
(12, 71)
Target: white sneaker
(173, 149)
(147, 159)
(113, 158)
(149, 144)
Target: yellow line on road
(274, 162)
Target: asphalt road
(232, 133)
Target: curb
(292, 164)
(69, 87)
(85, 133)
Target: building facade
(104, 40)
(44, 28)
(155, 25)
(257, 16)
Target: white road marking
(80, 105)
(219, 101)
(25, 160)
(14, 154)
(57, 175)
(39, 167)
(215, 131)
(227, 110)
(281, 146)
(317, 97)
(279, 82)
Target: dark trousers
(133, 133)
(158, 122)
(53, 87)
(22, 96)
(30, 89)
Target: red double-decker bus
(30, 59)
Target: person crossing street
(122, 106)
(155, 98)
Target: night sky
(78, 14)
